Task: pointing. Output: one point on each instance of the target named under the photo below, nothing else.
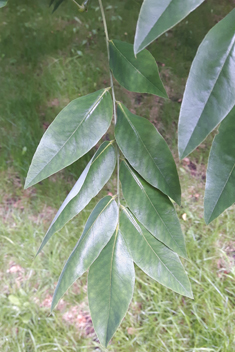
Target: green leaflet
(111, 281)
(135, 74)
(147, 152)
(210, 90)
(153, 257)
(69, 136)
(99, 228)
(220, 177)
(3, 3)
(92, 180)
(157, 17)
(153, 209)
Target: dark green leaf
(147, 152)
(210, 91)
(157, 17)
(135, 74)
(76, 129)
(110, 287)
(153, 209)
(99, 228)
(220, 177)
(56, 4)
(153, 257)
(3, 3)
(92, 180)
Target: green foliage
(148, 234)
(156, 17)
(209, 98)
(135, 74)
(147, 152)
(220, 177)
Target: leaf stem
(113, 92)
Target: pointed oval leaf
(135, 74)
(153, 209)
(92, 180)
(99, 228)
(76, 129)
(210, 90)
(147, 152)
(220, 177)
(157, 16)
(111, 282)
(153, 257)
(3, 3)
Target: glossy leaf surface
(3, 3)
(77, 128)
(99, 228)
(220, 177)
(111, 281)
(92, 180)
(153, 257)
(210, 90)
(153, 209)
(147, 152)
(135, 74)
(157, 17)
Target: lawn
(46, 61)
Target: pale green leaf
(76, 129)
(210, 90)
(157, 17)
(3, 3)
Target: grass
(46, 61)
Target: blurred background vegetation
(46, 61)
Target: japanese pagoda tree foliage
(139, 223)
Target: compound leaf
(220, 177)
(157, 17)
(153, 209)
(92, 180)
(147, 152)
(210, 90)
(111, 281)
(98, 230)
(77, 128)
(135, 74)
(153, 257)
